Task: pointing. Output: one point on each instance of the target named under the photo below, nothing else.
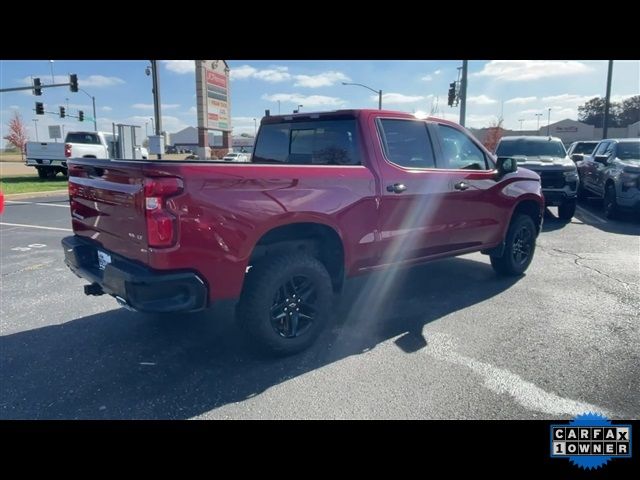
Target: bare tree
(17, 133)
(494, 133)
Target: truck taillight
(67, 150)
(161, 224)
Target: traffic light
(39, 108)
(81, 115)
(62, 112)
(452, 94)
(73, 82)
(37, 90)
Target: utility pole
(463, 93)
(538, 115)
(521, 120)
(35, 122)
(156, 99)
(607, 101)
(548, 121)
(278, 107)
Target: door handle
(396, 188)
(461, 186)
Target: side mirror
(576, 157)
(601, 159)
(506, 165)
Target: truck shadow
(119, 364)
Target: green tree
(630, 111)
(592, 113)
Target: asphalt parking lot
(447, 340)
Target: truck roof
(354, 112)
(531, 138)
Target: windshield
(629, 151)
(531, 148)
(585, 148)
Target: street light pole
(521, 120)
(379, 92)
(255, 128)
(463, 93)
(607, 101)
(153, 128)
(35, 122)
(93, 101)
(538, 115)
(156, 99)
(548, 121)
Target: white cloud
(523, 70)
(531, 111)
(324, 79)
(618, 98)
(429, 77)
(244, 71)
(14, 107)
(149, 106)
(307, 101)
(169, 123)
(399, 98)
(521, 100)
(481, 100)
(180, 66)
(274, 74)
(568, 98)
(106, 108)
(99, 81)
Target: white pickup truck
(51, 158)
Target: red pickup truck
(326, 196)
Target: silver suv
(547, 157)
(612, 172)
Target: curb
(48, 193)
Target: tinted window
(407, 143)
(322, 142)
(76, 137)
(531, 148)
(459, 151)
(629, 151)
(584, 148)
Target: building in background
(567, 130)
(187, 139)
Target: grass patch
(10, 157)
(10, 185)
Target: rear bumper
(133, 285)
(32, 162)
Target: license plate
(104, 259)
(46, 162)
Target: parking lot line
(15, 202)
(36, 226)
(593, 216)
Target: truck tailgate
(43, 150)
(107, 205)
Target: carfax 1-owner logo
(590, 440)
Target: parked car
(612, 173)
(328, 195)
(547, 157)
(50, 158)
(577, 150)
(171, 149)
(236, 157)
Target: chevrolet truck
(325, 196)
(50, 158)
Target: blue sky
(519, 89)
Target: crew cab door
(476, 212)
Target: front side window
(459, 151)
(584, 148)
(406, 143)
(601, 148)
(321, 142)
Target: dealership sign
(212, 89)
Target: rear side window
(406, 143)
(584, 148)
(89, 138)
(322, 142)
